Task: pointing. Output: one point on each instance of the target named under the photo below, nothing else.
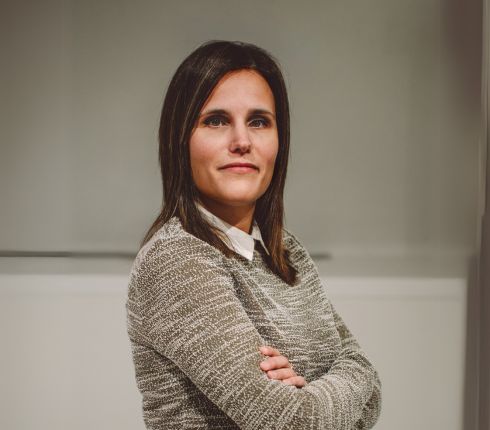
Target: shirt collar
(242, 243)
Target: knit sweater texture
(196, 320)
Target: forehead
(241, 88)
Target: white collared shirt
(243, 243)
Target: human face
(237, 124)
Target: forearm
(372, 409)
(353, 365)
(352, 369)
(347, 386)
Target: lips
(250, 165)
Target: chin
(237, 200)
(238, 194)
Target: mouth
(240, 167)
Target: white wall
(66, 360)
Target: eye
(259, 122)
(215, 121)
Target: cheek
(271, 156)
(205, 146)
(203, 160)
(200, 154)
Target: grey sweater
(196, 320)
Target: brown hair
(187, 92)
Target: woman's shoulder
(173, 241)
(292, 242)
(289, 238)
(298, 252)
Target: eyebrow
(256, 111)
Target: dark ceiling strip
(68, 254)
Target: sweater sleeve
(352, 351)
(191, 315)
(351, 358)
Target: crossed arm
(350, 348)
(191, 315)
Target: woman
(228, 321)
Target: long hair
(190, 87)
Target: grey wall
(385, 100)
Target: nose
(240, 139)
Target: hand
(279, 367)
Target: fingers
(269, 350)
(278, 367)
(298, 381)
(281, 373)
(275, 362)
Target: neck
(238, 216)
